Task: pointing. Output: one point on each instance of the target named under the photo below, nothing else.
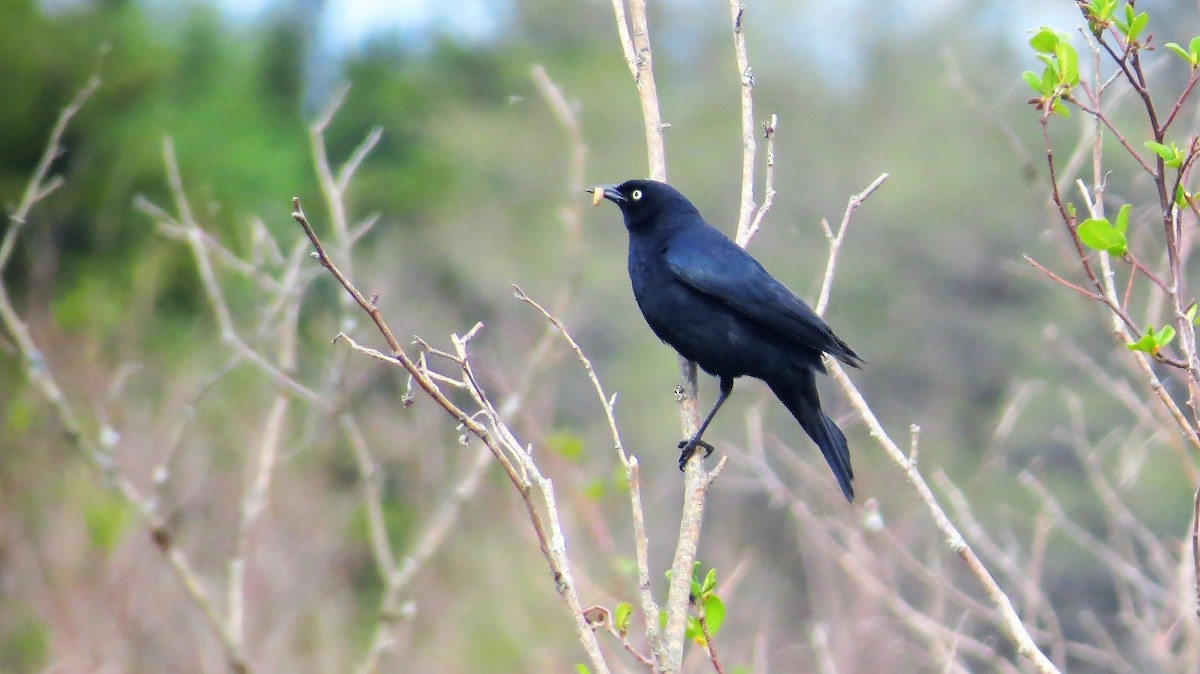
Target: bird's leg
(689, 446)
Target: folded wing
(707, 261)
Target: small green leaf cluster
(1191, 54)
(1133, 25)
(708, 605)
(1152, 341)
(621, 617)
(1100, 234)
(1103, 13)
(1171, 155)
(1061, 73)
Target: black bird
(716, 305)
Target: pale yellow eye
(637, 195)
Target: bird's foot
(689, 448)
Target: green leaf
(1060, 109)
(620, 479)
(1123, 23)
(1183, 54)
(695, 590)
(1194, 48)
(1099, 14)
(1099, 234)
(1051, 65)
(107, 519)
(1070, 209)
(1034, 81)
(1122, 222)
(714, 614)
(569, 445)
(1181, 197)
(1045, 40)
(621, 616)
(1136, 25)
(662, 619)
(1152, 341)
(1133, 24)
(1104, 9)
(1146, 343)
(1160, 150)
(1191, 313)
(625, 566)
(594, 490)
(1170, 155)
(693, 632)
(581, 668)
(1068, 61)
(1049, 82)
(710, 583)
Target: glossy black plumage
(716, 305)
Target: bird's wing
(710, 263)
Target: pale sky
(347, 22)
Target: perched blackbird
(716, 305)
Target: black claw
(689, 447)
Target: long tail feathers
(799, 395)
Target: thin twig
(696, 480)
(1015, 628)
(709, 645)
(495, 435)
(737, 12)
(1062, 281)
(99, 447)
(836, 239)
(640, 58)
(818, 637)
(609, 415)
(1196, 546)
(649, 607)
(769, 128)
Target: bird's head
(644, 203)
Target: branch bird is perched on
(716, 305)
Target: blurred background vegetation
(468, 181)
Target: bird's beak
(605, 192)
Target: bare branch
(496, 436)
(587, 366)
(769, 128)
(212, 289)
(749, 145)
(1196, 546)
(98, 448)
(835, 241)
(818, 637)
(1015, 628)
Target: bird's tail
(799, 394)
